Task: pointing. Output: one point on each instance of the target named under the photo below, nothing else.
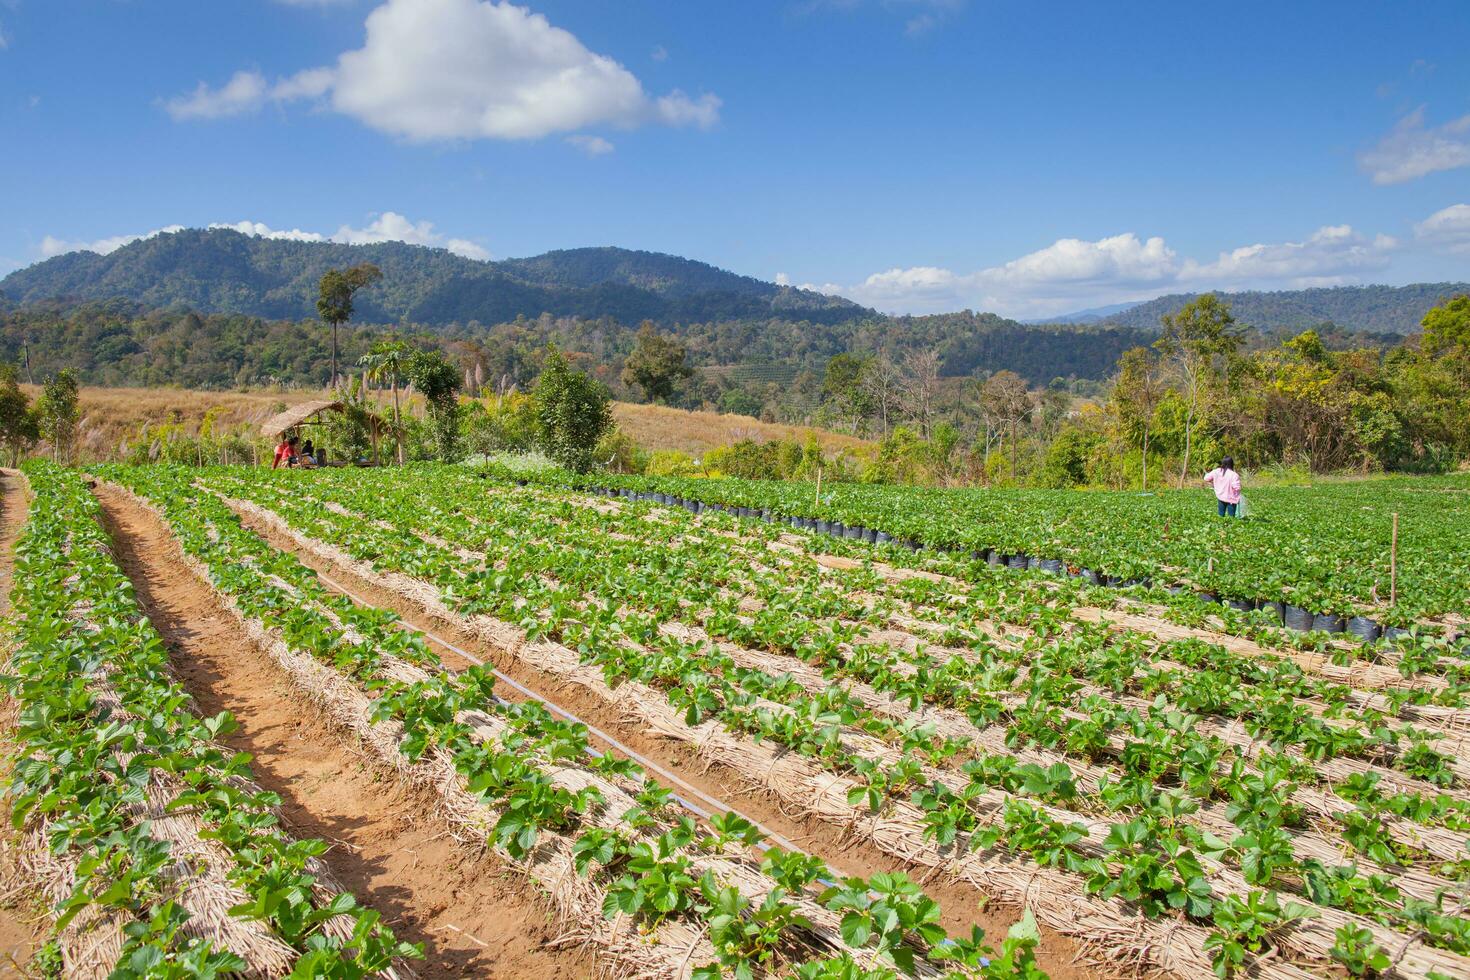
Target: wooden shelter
(310, 413)
(296, 416)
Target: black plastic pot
(870, 535)
(882, 537)
(824, 527)
(1177, 589)
(1017, 561)
(1276, 609)
(1033, 562)
(852, 533)
(1328, 622)
(1091, 577)
(1394, 632)
(1297, 618)
(1208, 596)
(1053, 565)
(1240, 605)
(910, 544)
(1112, 581)
(765, 515)
(1364, 628)
(993, 557)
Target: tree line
(1202, 389)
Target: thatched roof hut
(310, 413)
(306, 412)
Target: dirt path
(22, 919)
(1062, 958)
(474, 916)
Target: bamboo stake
(817, 500)
(1393, 564)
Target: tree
(389, 359)
(844, 385)
(573, 412)
(438, 381)
(920, 385)
(657, 363)
(1447, 326)
(58, 413)
(334, 302)
(19, 426)
(883, 383)
(1194, 339)
(1005, 402)
(1136, 394)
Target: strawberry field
(1326, 549)
(647, 678)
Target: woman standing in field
(1227, 487)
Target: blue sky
(918, 155)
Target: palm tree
(387, 360)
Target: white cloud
(246, 91)
(678, 109)
(659, 53)
(1334, 255)
(1119, 259)
(315, 3)
(393, 227)
(389, 226)
(593, 146)
(464, 69)
(1073, 272)
(260, 230)
(51, 245)
(4, 41)
(1411, 150)
(1449, 227)
(310, 83)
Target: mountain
(222, 271)
(1368, 309)
(1096, 314)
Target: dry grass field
(660, 427)
(112, 415)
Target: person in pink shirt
(1227, 487)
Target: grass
(696, 433)
(111, 415)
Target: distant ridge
(1369, 309)
(1096, 314)
(223, 271)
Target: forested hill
(223, 271)
(1369, 309)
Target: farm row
(626, 867)
(1179, 796)
(155, 851)
(1324, 549)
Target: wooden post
(1393, 564)
(817, 500)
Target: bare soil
(1059, 955)
(473, 914)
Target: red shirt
(283, 454)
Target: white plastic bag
(1243, 509)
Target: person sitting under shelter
(285, 452)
